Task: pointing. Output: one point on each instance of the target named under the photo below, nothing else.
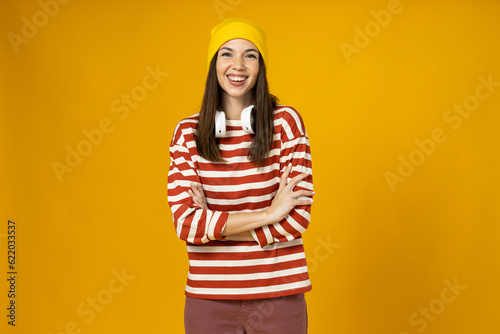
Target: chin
(236, 95)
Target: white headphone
(246, 122)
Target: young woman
(240, 192)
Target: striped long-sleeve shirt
(274, 264)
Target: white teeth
(237, 78)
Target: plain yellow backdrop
(400, 100)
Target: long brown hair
(263, 112)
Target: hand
(198, 196)
(286, 199)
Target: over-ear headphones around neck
(246, 122)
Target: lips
(237, 77)
(236, 83)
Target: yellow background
(377, 255)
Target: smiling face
(237, 68)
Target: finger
(286, 171)
(202, 204)
(300, 193)
(293, 182)
(303, 202)
(284, 176)
(196, 190)
(202, 193)
(282, 183)
(193, 197)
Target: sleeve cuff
(263, 236)
(219, 226)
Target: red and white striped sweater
(274, 264)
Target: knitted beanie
(232, 28)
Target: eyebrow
(247, 50)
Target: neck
(233, 106)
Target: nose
(238, 63)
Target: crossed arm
(239, 225)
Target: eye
(252, 55)
(225, 53)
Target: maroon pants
(281, 315)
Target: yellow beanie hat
(232, 28)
